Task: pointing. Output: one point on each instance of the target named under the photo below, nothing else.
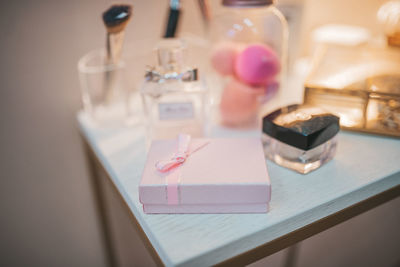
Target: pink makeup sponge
(223, 58)
(239, 103)
(257, 64)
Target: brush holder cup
(105, 89)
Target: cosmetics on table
(300, 137)
(213, 175)
(174, 97)
(361, 85)
(248, 56)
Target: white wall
(48, 215)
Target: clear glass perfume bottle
(300, 137)
(174, 98)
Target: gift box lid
(224, 171)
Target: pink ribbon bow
(179, 157)
(173, 179)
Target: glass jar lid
(301, 126)
(246, 3)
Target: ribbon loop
(179, 157)
(173, 178)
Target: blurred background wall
(48, 215)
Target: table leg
(101, 207)
(292, 254)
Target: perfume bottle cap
(171, 64)
(301, 126)
(170, 55)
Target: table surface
(363, 167)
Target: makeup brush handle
(114, 45)
(172, 23)
(205, 11)
(114, 49)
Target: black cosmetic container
(300, 137)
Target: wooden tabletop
(364, 173)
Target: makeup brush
(173, 17)
(115, 19)
(205, 10)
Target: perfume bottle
(174, 98)
(300, 137)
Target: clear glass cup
(105, 89)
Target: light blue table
(364, 174)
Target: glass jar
(174, 98)
(300, 137)
(248, 57)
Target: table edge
(314, 228)
(265, 249)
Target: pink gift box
(217, 176)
